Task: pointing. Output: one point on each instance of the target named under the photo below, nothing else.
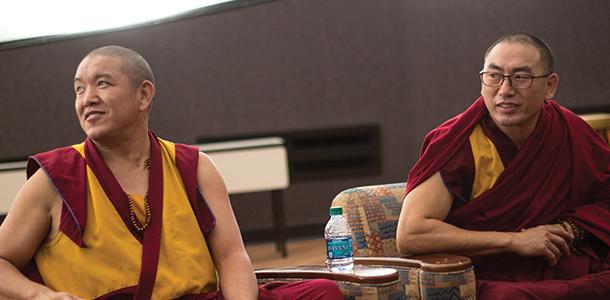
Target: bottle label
(339, 247)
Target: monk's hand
(549, 241)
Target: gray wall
(285, 65)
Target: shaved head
(546, 55)
(132, 63)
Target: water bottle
(339, 254)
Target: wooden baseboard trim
(291, 232)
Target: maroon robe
(562, 171)
(67, 170)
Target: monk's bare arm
(237, 280)
(421, 229)
(27, 225)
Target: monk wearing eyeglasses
(517, 182)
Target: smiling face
(516, 111)
(107, 103)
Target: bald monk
(126, 214)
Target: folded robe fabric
(562, 171)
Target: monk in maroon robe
(517, 182)
(77, 214)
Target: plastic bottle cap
(336, 210)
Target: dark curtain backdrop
(289, 65)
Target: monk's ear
(146, 92)
(551, 86)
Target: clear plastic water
(339, 253)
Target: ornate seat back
(372, 213)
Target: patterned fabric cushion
(448, 285)
(392, 291)
(372, 213)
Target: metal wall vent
(327, 153)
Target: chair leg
(279, 222)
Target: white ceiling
(25, 19)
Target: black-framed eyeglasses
(517, 81)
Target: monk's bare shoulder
(209, 178)
(32, 220)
